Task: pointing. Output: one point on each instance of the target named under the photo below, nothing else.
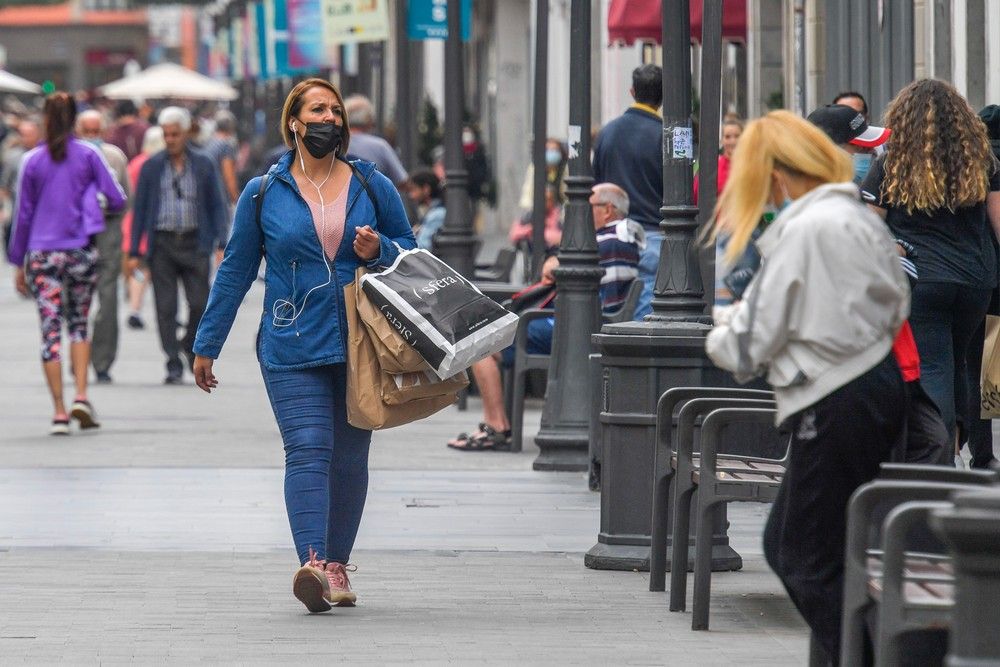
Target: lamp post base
(562, 450)
(633, 558)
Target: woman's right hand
(20, 282)
(203, 376)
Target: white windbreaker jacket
(825, 305)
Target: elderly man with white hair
(367, 145)
(91, 126)
(180, 209)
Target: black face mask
(321, 139)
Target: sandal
(487, 439)
(461, 440)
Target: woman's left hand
(367, 244)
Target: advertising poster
(353, 21)
(305, 35)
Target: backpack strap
(258, 207)
(368, 190)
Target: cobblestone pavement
(162, 539)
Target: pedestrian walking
(179, 208)
(316, 219)
(129, 129)
(221, 147)
(818, 319)
(367, 145)
(136, 281)
(51, 245)
(90, 126)
(932, 187)
(628, 152)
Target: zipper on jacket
(295, 321)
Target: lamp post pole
(455, 242)
(564, 438)
(404, 113)
(641, 360)
(538, 139)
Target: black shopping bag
(446, 319)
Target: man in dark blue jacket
(629, 153)
(179, 208)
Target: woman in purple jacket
(52, 247)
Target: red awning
(630, 21)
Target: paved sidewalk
(162, 538)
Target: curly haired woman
(937, 186)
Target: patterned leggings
(50, 274)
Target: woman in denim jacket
(318, 224)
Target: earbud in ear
(294, 127)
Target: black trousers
(945, 317)
(176, 258)
(837, 445)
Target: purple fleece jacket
(50, 213)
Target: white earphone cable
(284, 311)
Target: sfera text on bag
(435, 285)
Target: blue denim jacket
(296, 264)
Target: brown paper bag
(394, 353)
(365, 407)
(990, 378)
(399, 388)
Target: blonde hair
(779, 140)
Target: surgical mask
(553, 156)
(321, 139)
(787, 201)
(862, 163)
(96, 141)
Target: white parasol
(10, 83)
(168, 80)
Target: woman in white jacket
(818, 320)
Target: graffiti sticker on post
(682, 143)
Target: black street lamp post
(539, 132)
(405, 114)
(563, 438)
(641, 360)
(455, 242)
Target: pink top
(336, 214)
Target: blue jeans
(649, 260)
(326, 459)
(539, 340)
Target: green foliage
(429, 132)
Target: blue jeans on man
(649, 260)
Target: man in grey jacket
(91, 126)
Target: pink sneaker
(310, 585)
(340, 587)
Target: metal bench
(501, 268)
(671, 429)
(709, 479)
(910, 584)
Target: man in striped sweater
(619, 242)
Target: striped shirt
(618, 246)
(178, 197)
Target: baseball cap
(845, 125)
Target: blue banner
(428, 19)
